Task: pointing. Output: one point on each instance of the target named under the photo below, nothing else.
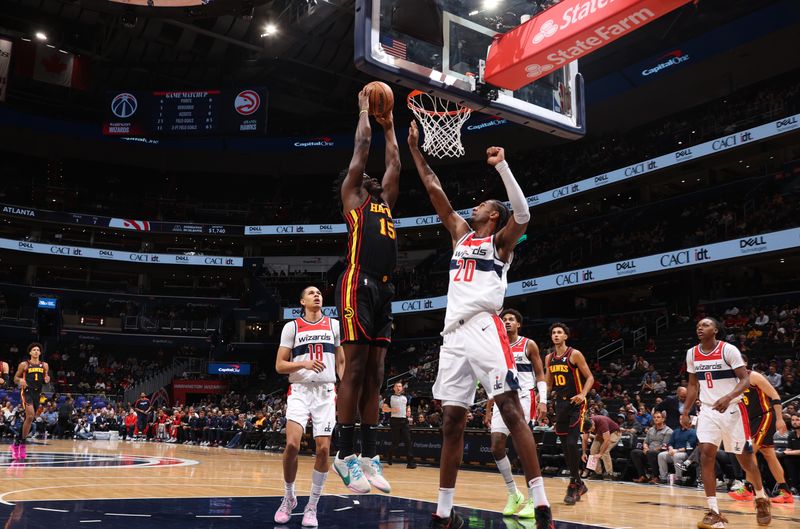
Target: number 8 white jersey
(477, 280)
(715, 371)
(312, 341)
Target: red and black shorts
(364, 303)
(569, 417)
(762, 429)
(30, 397)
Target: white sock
(760, 493)
(317, 483)
(712, 503)
(504, 466)
(288, 489)
(445, 503)
(536, 492)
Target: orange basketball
(381, 99)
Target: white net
(441, 121)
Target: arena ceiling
(307, 64)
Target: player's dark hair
(513, 312)
(587, 424)
(34, 344)
(559, 324)
(717, 325)
(504, 213)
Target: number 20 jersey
(312, 341)
(477, 280)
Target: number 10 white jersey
(312, 341)
(477, 280)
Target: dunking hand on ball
(495, 155)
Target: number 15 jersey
(477, 280)
(312, 341)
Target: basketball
(381, 99)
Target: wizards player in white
(475, 344)
(529, 365)
(719, 374)
(310, 353)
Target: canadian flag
(50, 65)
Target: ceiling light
(269, 29)
(40, 35)
(490, 4)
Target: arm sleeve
(337, 341)
(519, 204)
(287, 335)
(689, 361)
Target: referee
(399, 408)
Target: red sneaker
(14, 451)
(783, 496)
(741, 494)
(22, 452)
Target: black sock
(369, 440)
(573, 461)
(346, 440)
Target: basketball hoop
(441, 121)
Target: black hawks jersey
(567, 379)
(371, 242)
(34, 376)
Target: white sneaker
(350, 472)
(736, 485)
(309, 517)
(284, 512)
(373, 470)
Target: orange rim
(414, 106)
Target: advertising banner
(230, 368)
(5, 63)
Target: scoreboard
(186, 113)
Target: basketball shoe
(14, 450)
(310, 517)
(544, 518)
(455, 521)
(783, 496)
(22, 451)
(527, 511)
(572, 493)
(712, 520)
(513, 503)
(763, 514)
(373, 470)
(743, 493)
(350, 472)
(284, 512)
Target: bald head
(681, 393)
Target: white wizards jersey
(477, 280)
(714, 370)
(524, 366)
(312, 341)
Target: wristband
(542, 387)
(775, 402)
(362, 111)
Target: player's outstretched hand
(387, 121)
(413, 135)
(495, 155)
(363, 99)
(315, 365)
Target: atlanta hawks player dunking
(531, 375)
(475, 343)
(718, 372)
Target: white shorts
(313, 401)
(731, 428)
(498, 426)
(476, 351)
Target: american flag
(394, 47)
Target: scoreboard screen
(186, 113)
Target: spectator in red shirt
(129, 425)
(606, 436)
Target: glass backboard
(437, 46)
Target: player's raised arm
(508, 236)
(391, 177)
(351, 186)
(457, 226)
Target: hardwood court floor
(61, 476)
